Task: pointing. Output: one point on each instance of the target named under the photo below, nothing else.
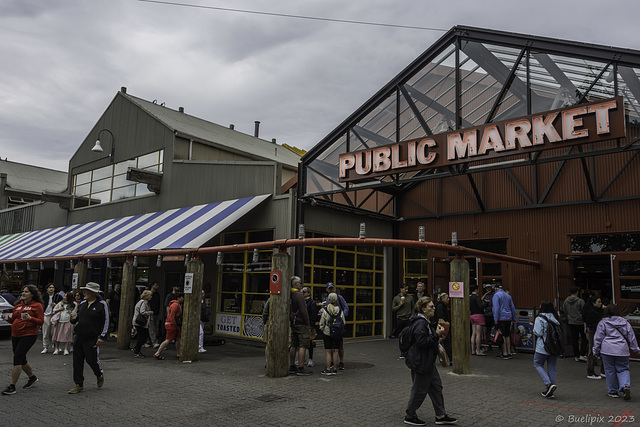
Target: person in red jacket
(27, 316)
(171, 325)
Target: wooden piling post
(278, 340)
(127, 304)
(460, 319)
(191, 313)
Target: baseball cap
(330, 285)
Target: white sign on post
(188, 283)
(74, 281)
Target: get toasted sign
(578, 124)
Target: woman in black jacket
(421, 359)
(591, 316)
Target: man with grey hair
(300, 328)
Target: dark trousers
(591, 358)
(143, 335)
(577, 333)
(85, 349)
(424, 384)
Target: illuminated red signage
(578, 124)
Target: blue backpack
(336, 325)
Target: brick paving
(227, 387)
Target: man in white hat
(92, 325)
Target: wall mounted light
(363, 231)
(98, 147)
(421, 234)
(219, 258)
(41, 265)
(301, 231)
(15, 266)
(55, 265)
(159, 261)
(256, 254)
(89, 264)
(71, 264)
(187, 258)
(28, 266)
(454, 238)
(4, 267)
(108, 262)
(135, 261)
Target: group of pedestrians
(608, 336)
(91, 320)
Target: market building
(521, 145)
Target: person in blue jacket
(547, 314)
(504, 313)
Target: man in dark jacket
(154, 303)
(572, 307)
(300, 328)
(92, 325)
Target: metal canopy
(469, 77)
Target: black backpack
(336, 325)
(405, 338)
(553, 342)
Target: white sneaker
(44, 351)
(296, 362)
(594, 377)
(310, 363)
(202, 350)
(582, 358)
(66, 352)
(56, 352)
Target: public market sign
(564, 127)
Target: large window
(243, 286)
(416, 262)
(357, 272)
(109, 183)
(625, 242)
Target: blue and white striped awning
(183, 228)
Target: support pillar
(81, 269)
(278, 340)
(127, 304)
(460, 314)
(191, 314)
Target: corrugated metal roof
(33, 178)
(220, 135)
(182, 228)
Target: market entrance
(591, 273)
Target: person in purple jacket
(613, 339)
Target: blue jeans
(549, 375)
(617, 369)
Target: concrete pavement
(227, 386)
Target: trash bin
(523, 333)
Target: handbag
(442, 356)
(55, 319)
(141, 320)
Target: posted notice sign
(456, 289)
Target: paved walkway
(227, 387)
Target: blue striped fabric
(182, 228)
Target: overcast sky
(64, 60)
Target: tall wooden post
(127, 304)
(278, 340)
(460, 314)
(191, 313)
(81, 269)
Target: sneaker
(326, 372)
(296, 363)
(341, 366)
(446, 420)
(310, 363)
(44, 351)
(334, 372)
(156, 345)
(576, 358)
(401, 358)
(627, 393)
(614, 395)
(414, 421)
(31, 382)
(202, 350)
(11, 389)
(292, 369)
(66, 352)
(101, 378)
(582, 358)
(594, 377)
(76, 389)
(56, 352)
(139, 355)
(303, 372)
(146, 345)
(548, 393)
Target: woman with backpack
(541, 327)
(332, 315)
(613, 339)
(421, 359)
